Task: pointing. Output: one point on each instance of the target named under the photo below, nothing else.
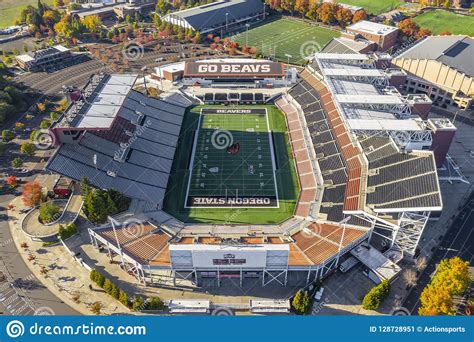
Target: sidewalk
(64, 277)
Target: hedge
(374, 298)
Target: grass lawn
(10, 10)
(286, 36)
(285, 173)
(438, 21)
(374, 6)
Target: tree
(408, 27)
(137, 303)
(445, 33)
(8, 135)
(92, 23)
(423, 32)
(312, 12)
(41, 106)
(12, 181)
(32, 194)
(154, 303)
(327, 12)
(344, 16)
(197, 38)
(302, 6)
(27, 148)
(108, 285)
(162, 7)
(374, 298)
(49, 212)
(96, 308)
(358, 16)
(24, 48)
(58, 3)
(410, 277)
(301, 302)
(123, 298)
(17, 163)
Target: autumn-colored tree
(245, 49)
(451, 278)
(253, 50)
(312, 12)
(445, 33)
(409, 27)
(288, 5)
(423, 32)
(327, 12)
(358, 16)
(344, 16)
(12, 181)
(41, 106)
(32, 194)
(92, 23)
(302, 6)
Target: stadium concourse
(376, 183)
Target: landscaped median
(57, 270)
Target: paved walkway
(64, 277)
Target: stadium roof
(102, 101)
(213, 14)
(133, 155)
(454, 51)
(345, 46)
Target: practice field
(287, 36)
(438, 21)
(233, 162)
(374, 6)
(10, 10)
(237, 184)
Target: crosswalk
(13, 299)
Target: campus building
(44, 59)
(383, 35)
(218, 16)
(442, 68)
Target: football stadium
(260, 172)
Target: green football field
(375, 6)
(220, 174)
(438, 21)
(286, 36)
(237, 166)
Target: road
(458, 241)
(21, 293)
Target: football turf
(285, 176)
(286, 36)
(218, 173)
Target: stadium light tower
(144, 69)
(226, 22)
(247, 39)
(289, 56)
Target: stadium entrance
(233, 162)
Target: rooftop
(454, 51)
(372, 28)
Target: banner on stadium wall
(234, 69)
